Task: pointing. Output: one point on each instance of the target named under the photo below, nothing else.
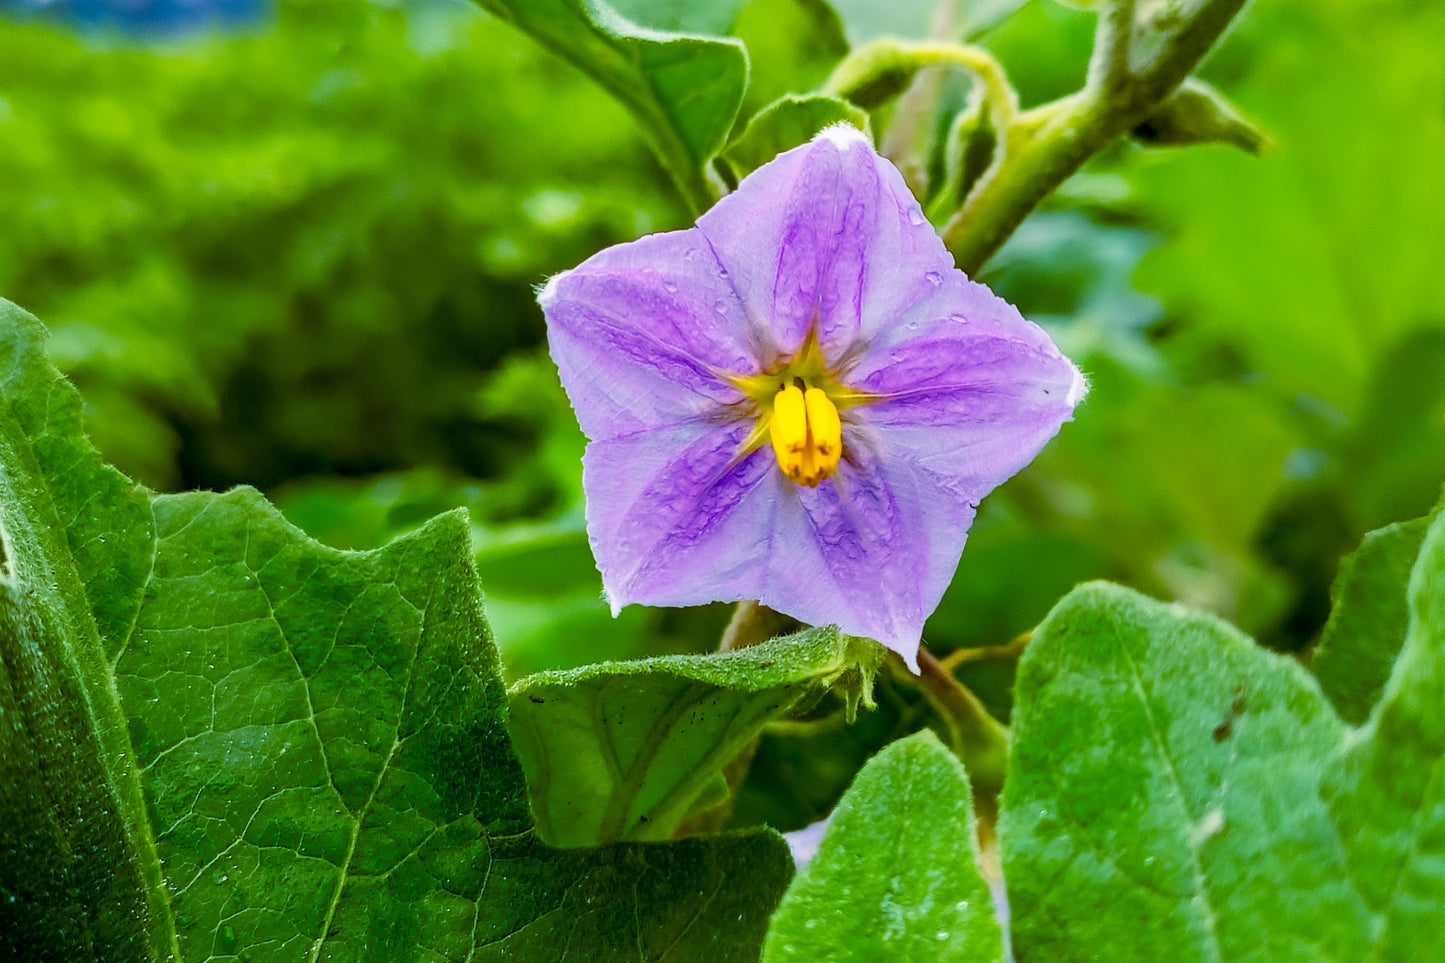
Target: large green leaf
(79, 872)
(1369, 619)
(1176, 792)
(896, 876)
(683, 90)
(289, 752)
(628, 750)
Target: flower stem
(980, 740)
(753, 622)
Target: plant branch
(1046, 145)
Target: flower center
(796, 402)
(806, 433)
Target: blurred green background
(302, 256)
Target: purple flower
(800, 400)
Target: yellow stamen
(806, 433)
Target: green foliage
(304, 258)
(683, 90)
(865, 20)
(783, 125)
(1303, 281)
(897, 874)
(630, 750)
(1166, 769)
(261, 260)
(254, 746)
(1369, 619)
(682, 16)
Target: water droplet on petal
(669, 287)
(958, 319)
(722, 272)
(934, 278)
(915, 216)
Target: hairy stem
(753, 622)
(980, 740)
(1047, 144)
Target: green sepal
(1196, 113)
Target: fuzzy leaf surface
(289, 752)
(628, 750)
(1177, 792)
(896, 876)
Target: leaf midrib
(1202, 899)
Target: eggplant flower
(798, 401)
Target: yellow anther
(806, 433)
(825, 427)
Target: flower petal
(826, 232)
(971, 391)
(640, 331)
(674, 521)
(869, 556)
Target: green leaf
(1166, 769)
(78, 864)
(294, 752)
(784, 124)
(627, 750)
(865, 20)
(682, 16)
(1369, 619)
(1266, 238)
(896, 876)
(683, 90)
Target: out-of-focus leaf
(1369, 619)
(1310, 263)
(682, 16)
(865, 20)
(1392, 460)
(784, 124)
(683, 90)
(260, 261)
(896, 876)
(630, 750)
(1164, 768)
(792, 47)
(279, 749)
